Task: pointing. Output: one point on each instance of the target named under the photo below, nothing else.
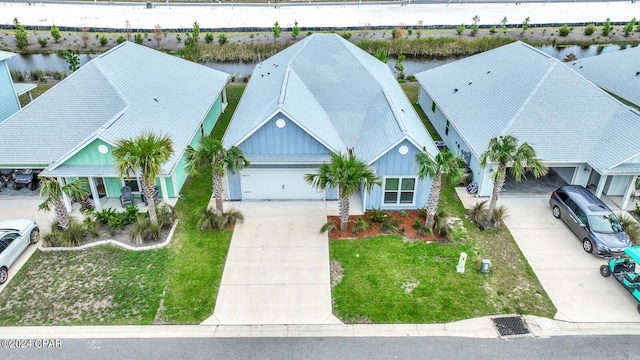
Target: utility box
(485, 266)
(149, 6)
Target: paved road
(580, 347)
(312, 15)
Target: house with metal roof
(320, 96)
(581, 132)
(70, 131)
(9, 91)
(616, 72)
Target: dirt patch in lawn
(405, 221)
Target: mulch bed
(406, 228)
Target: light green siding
(213, 115)
(90, 155)
(113, 186)
(170, 192)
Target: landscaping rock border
(116, 243)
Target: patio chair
(127, 197)
(155, 196)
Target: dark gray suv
(590, 219)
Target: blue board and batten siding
(394, 164)
(270, 139)
(9, 103)
(291, 139)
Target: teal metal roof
(617, 72)
(338, 93)
(120, 94)
(520, 91)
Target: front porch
(114, 203)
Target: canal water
(411, 66)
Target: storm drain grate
(511, 325)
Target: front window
(606, 224)
(399, 190)
(133, 184)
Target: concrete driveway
(24, 207)
(277, 268)
(568, 274)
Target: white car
(15, 237)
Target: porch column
(224, 95)
(627, 195)
(65, 198)
(163, 186)
(94, 193)
(600, 188)
(29, 95)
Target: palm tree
(211, 152)
(504, 151)
(444, 163)
(144, 154)
(347, 173)
(52, 191)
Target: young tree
(296, 30)
(398, 65)
(275, 30)
(208, 38)
(143, 155)
(504, 151)
(525, 25)
(210, 151)
(158, 34)
(222, 39)
(445, 163)
(460, 29)
(475, 28)
(42, 41)
(137, 38)
(606, 28)
(72, 58)
(504, 25)
(127, 29)
(22, 38)
(85, 36)
(55, 33)
(628, 29)
(365, 30)
(382, 56)
(52, 191)
(346, 173)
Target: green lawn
(234, 92)
(39, 90)
(99, 286)
(376, 269)
(387, 280)
(411, 90)
(199, 258)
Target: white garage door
(278, 184)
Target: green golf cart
(623, 269)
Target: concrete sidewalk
(472, 328)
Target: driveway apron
(277, 268)
(568, 274)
